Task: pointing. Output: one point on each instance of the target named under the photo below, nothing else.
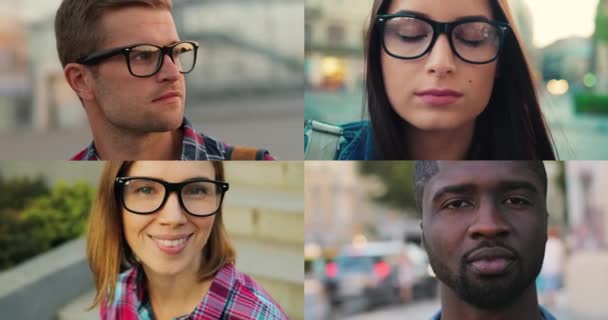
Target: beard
(489, 292)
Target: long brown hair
(107, 248)
(511, 127)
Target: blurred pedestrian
(551, 277)
(406, 277)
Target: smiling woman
(158, 248)
(444, 79)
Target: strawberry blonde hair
(107, 248)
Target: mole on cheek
(471, 81)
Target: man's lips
(490, 260)
(168, 95)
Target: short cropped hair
(424, 170)
(77, 24)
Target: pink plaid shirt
(232, 296)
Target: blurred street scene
(363, 251)
(566, 42)
(44, 207)
(248, 77)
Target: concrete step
(77, 309)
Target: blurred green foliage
(601, 23)
(591, 103)
(397, 177)
(34, 219)
(16, 193)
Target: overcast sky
(556, 19)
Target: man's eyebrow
(469, 188)
(518, 184)
(424, 15)
(456, 188)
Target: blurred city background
(246, 88)
(363, 255)
(44, 207)
(566, 41)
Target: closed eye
(473, 43)
(412, 38)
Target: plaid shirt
(195, 146)
(232, 295)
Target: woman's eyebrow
(424, 15)
(205, 177)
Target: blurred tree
(61, 215)
(48, 221)
(16, 193)
(397, 177)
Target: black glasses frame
(443, 27)
(100, 56)
(169, 188)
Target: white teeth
(171, 243)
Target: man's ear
(81, 80)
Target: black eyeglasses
(143, 195)
(145, 60)
(409, 36)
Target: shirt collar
(543, 312)
(132, 298)
(195, 146)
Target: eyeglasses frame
(170, 187)
(100, 56)
(443, 27)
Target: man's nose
(169, 70)
(489, 222)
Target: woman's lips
(439, 97)
(172, 247)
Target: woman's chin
(167, 269)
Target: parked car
(368, 275)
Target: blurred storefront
(586, 275)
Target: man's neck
(121, 145)
(525, 307)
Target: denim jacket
(357, 142)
